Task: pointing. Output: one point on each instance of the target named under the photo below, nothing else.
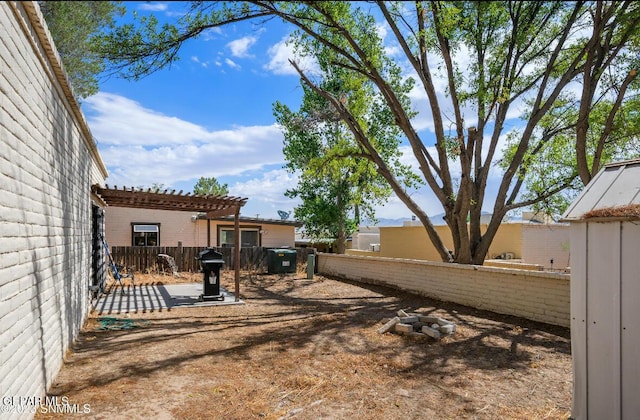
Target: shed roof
(617, 185)
(213, 205)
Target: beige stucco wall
(272, 236)
(539, 296)
(278, 236)
(412, 242)
(177, 226)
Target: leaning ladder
(114, 266)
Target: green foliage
(210, 186)
(72, 26)
(335, 188)
(155, 187)
(550, 160)
(338, 180)
(492, 60)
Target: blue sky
(210, 115)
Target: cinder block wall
(538, 296)
(47, 165)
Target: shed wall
(604, 317)
(47, 166)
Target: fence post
(311, 264)
(179, 259)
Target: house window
(248, 237)
(145, 234)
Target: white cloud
(240, 47)
(141, 146)
(231, 63)
(281, 53)
(396, 209)
(153, 7)
(211, 33)
(121, 121)
(266, 193)
(196, 60)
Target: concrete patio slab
(157, 297)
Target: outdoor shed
(605, 290)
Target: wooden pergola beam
(220, 213)
(213, 206)
(168, 200)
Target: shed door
(630, 314)
(603, 320)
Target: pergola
(212, 205)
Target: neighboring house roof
(257, 220)
(613, 192)
(212, 205)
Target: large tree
(596, 122)
(72, 26)
(337, 185)
(210, 186)
(496, 61)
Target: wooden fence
(145, 258)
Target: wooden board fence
(144, 258)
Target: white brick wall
(538, 296)
(47, 166)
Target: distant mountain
(436, 220)
(386, 222)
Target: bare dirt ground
(307, 349)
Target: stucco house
(528, 244)
(145, 227)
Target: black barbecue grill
(210, 264)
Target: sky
(211, 115)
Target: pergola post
(214, 206)
(236, 262)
